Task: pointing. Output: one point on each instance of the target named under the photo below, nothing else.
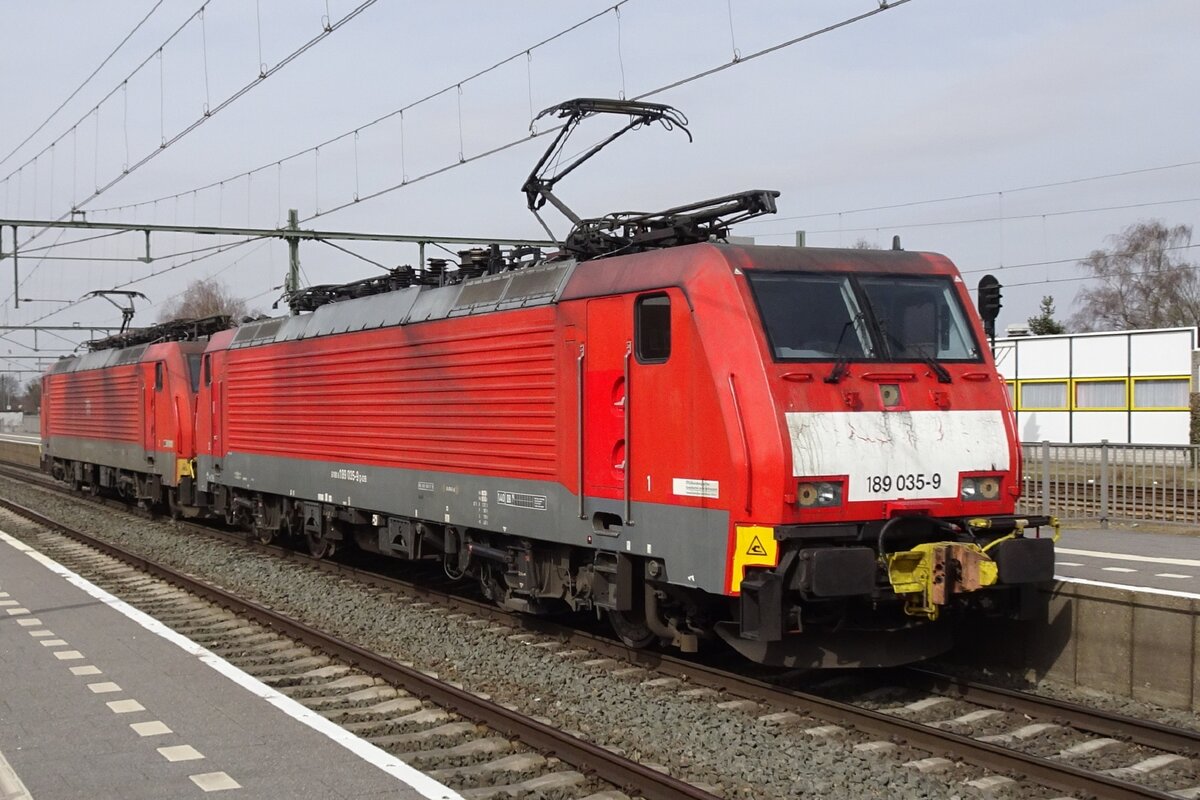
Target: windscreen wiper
(840, 368)
(943, 375)
(842, 365)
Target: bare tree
(1143, 281)
(863, 243)
(203, 298)
(31, 402)
(10, 392)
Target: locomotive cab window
(193, 364)
(652, 328)
(920, 318)
(158, 376)
(207, 369)
(851, 317)
(811, 316)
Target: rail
(1106, 723)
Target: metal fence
(1106, 481)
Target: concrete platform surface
(21, 438)
(1130, 557)
(97, 700)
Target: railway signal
(989, 305)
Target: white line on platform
(1170, 575)
(1069, 564)
(1128, 587)
(419, 781)
(1177, 562)
(1118, 569)
(11, 787)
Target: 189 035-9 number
(904, 482)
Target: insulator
(402, 277)
(473, 263)
(435, 272)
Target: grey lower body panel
(120, 455)
(692, 543)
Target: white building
(1123, 386)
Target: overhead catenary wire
(881, 8)
(976, 195)
(999, 218)
(96, 108)
(505, 146)
(406, 180)
(26, 251)
(397, 112)
(209, 113)
(492, 151)
(130, 260)
(350, 252)
(80, 87)
(1075, 260)
(140, 279)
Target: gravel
(731, 751)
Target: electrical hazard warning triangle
(755, 547)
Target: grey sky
(935, 98)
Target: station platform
(1132, 558)
(98, 700)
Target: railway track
(949, 721)
(1076, 499)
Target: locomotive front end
(895, 518)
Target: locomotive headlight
(989, 488)
(986, 487)
(819, 494)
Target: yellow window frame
(1020, 400)
(1133, 391)
(1124, 383)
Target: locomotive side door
(216, 412)
(609, 337)
(151, 386)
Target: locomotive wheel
(631, 630)
(319, 546)
(264, 534)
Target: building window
(652, 328)
(1101, 395)
(1161, 393)
(1043, 395)
(1010, 392)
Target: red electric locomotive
(804, 452)
(122, 417)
